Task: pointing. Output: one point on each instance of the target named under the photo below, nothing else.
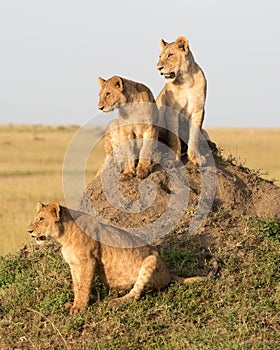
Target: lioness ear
(39, 206)
(101, 81)
(54, 208)
(117, 83)
(162, 44)
(182, 43)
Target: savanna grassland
(256, 148)
(238, 309)
(32, 159)
(31, 170)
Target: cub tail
(212, 273)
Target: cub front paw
(125, 176)
(128, 172)
(143, 172)
(73, 308)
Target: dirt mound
(185, 196)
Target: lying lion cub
(136, 268)
(138, 117)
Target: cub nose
(101, 107)
(30, 230)
(159, 68)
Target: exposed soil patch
(215, 200)
(238, 190)
(225, 193)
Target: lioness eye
(170, 55)
(41, 219)
(107, 94)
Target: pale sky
(52, 52)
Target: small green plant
(270, 228)
(179, 261)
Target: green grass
(238, 310)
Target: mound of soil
(149, 206)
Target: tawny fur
(184, 93)
(137, 120)
(136, 268)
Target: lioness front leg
(194, 154)
(82, 274)
(172, 131)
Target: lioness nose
(30, 230)
(101, 107)
(159, 68)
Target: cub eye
(169, 55)
(41, 219)
(107, 94)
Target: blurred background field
(32, 157)
(256, 148)
(31, 160)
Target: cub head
(45, 222)
(111, 94)
(173, 58)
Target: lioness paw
(202, 160)
(192, 156)
(196, 158)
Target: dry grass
(31, 170)
(32, 159)
(255, 148)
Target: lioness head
(173, 58)
(111, 94)
(45, 222)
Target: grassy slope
(238, 310)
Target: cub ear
(182, 43)
(54, 208)
(39, 206)
(163, 44)
(117, 83)
(101, 81)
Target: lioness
(184, 93)
(125, 263)
(136, 127)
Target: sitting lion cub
(136, 124)
(184, 93)
(124, 262)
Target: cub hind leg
(153, 274)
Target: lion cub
(136, 127)
(184, 93)
(122, 261)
